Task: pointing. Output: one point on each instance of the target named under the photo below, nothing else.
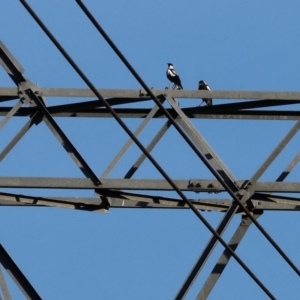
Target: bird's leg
(201, 103)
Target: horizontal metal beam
(210, 186)
(83, 203)
(264, 205)
(195, 113)
(192, 94)
(127, 200)
(122, 199)
(274, 202)
(120, 203)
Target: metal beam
(88, 105)
(149, 148)
(115, 199)
(210, 186)
(4, 286)
(140, 200)
(130, 141)
(11, 65)
(224, 258)
(203, 146)
(226, 175)
(125, 200)
(274, 153)
(198, 153)
(142, 93)
(193, 112)
(33, 120)
(191, 94)
(17, 275)
(31, 94)
(10, 113)
(237, 237)
(228, 178)
(153, 161)
(64, 202)
(206, 252)
(62, 138)
(289, 168)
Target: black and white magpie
(173, 76)
(204, 86)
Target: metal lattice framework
(248, 197)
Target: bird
(173, 76)
(204, 86)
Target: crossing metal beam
(247, 196)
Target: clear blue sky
(146, 254)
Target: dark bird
(204, 86)
(173, 76)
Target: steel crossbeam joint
(23, 90)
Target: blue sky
(146, 254)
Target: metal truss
(247, 197)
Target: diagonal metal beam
(274, 153)
(289, 168)
(206, 252)
(4, 286)
(17, 275)
(231, 211)
(152, 160)
(11, 65)
(130, 141)
(237, 237)
(226, 176)
(62, 138)
(203, 146)
(33, 120)
(10, 113)
(149, 148)
(15, 71)
(224, 258)
(232, 188)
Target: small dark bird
(173, 76)
(204, 86)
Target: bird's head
(201, 83)
(170, 65)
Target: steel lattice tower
(247, 197)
